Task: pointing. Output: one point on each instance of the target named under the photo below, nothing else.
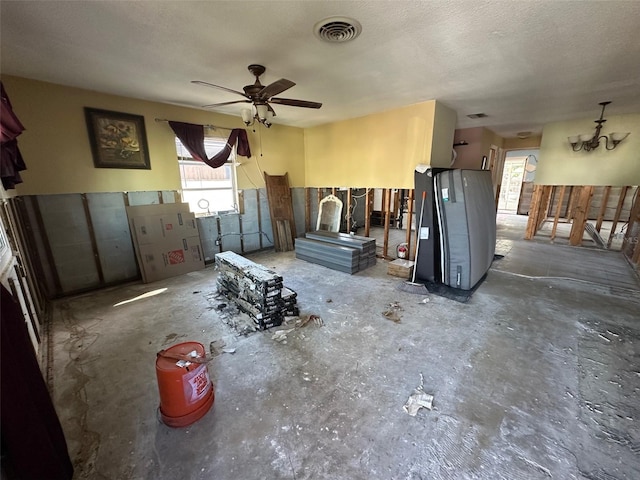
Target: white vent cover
(337, 29)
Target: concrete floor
(537, 377)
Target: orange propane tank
(186, 391)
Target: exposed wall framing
(587, 209)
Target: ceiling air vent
(477, 115)
(337, 29)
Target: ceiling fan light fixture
(247, 116)
(589, 142)
(337, 29)
(262, 111)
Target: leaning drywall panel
(113, 239)
(265, 220)
(68, 233)
(299, 209)
(170, 196)
(143, 198)
(37, 235)
(208, 229)
(250, 225)
(230, 232)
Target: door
(511, 184)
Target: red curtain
(11, 162)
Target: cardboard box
(159, 228)
(156, 209)
(400, 268)
(170, 258)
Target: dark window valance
(192, 137)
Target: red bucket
(186, 391)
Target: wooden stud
(259, 217)
(333, 191)
(160, 199)
(575, 191)
(543, 207)
(547, 205)
(92, 237)
(387, 214)
(532, 222)
(631, 245)
(540, 203)
(241, 202)
(558, 209)
(603, 207)
(581, 215)
(616, 217)
(396, 206)
(47, 248)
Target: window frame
(213, 144)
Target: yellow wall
(559, 165)
(378, 150)
(444, 127)
(56, 147)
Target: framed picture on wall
(118, 140)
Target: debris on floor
(215, 347)
(218, 347)
(281, 335)
(418, 399)
(232, 316)
(424, 300)
(301, 322)
(392, 312)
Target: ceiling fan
(261, 97)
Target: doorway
(517, 181)
(512, 176)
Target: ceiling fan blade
(275, 88)
(206, 84)
(295, 103)
(213, 105)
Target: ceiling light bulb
(262, 111)
(619, 136)
(247, 115)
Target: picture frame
(118, 140)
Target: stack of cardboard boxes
(166, 240)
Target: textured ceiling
(523, 63)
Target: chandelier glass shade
(589, 142)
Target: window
(206, 189)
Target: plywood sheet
(281, 211)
